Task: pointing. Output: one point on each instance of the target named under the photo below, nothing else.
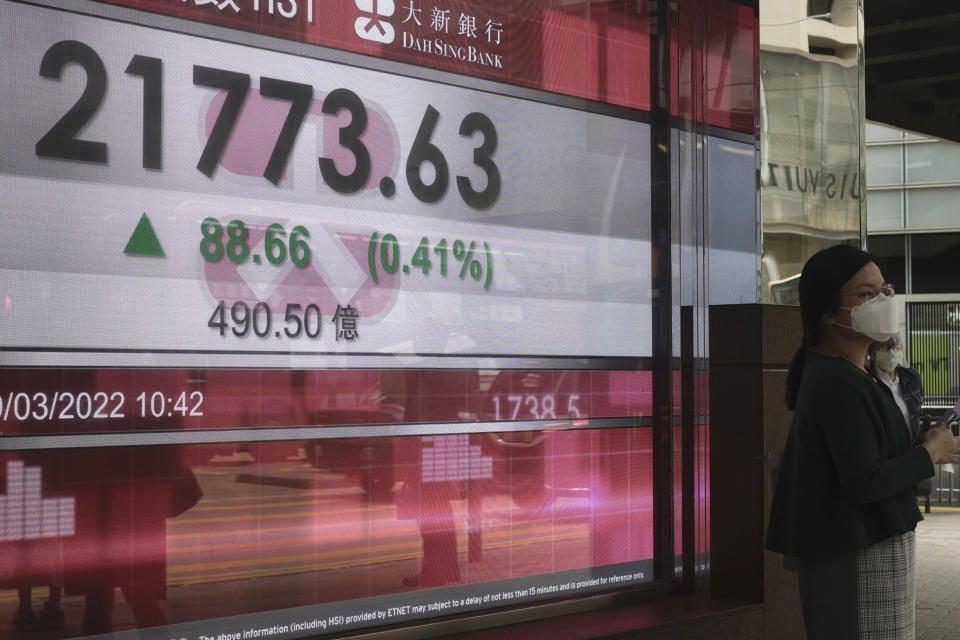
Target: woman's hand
(940, 444)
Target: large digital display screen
(246, 201)
(304, 331)
(321, 501)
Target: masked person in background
(843, 504)
(885, 361)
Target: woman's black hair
(822, 277)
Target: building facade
(913, 223)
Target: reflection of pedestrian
(33, 558)
(50, 615)
(122, 507)
(26, 560)
(432, 396)
(885, 361)
(123, 497)
(843, 502)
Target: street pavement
(938, 574)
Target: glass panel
(719, 36)
(585, 49)
(275, 529)
(819, 9)
(811, 118)
(468, 260)
(884, 165)
(306, 526)
(876, 132)
(732, 223)
(933, 162)
(52, 401)
(884, 209)
(935, 262)
(689, 22)
(411, 380)
(730, 54)
(891, 252)
(932, 208)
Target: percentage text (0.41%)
(471, 259)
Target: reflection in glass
(811, 142)
(147, 535)
(891, 251)
(123, 401)
(93, 522)
(885, 166)
(885, 209)
(159, 534)
(878, 133)
(226, 522)
(933, 162)
(934, 208)
(933, 261)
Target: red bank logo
(370, 26)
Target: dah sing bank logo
(371, 25)
(444, 33)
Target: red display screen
(322, 318)
(322, 520)
(599, 51)
(569, 49)
(49, 401)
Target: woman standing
(843, 503)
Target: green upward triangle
(144, 241)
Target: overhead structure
(912, 73)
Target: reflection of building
(810, 110)
(913, 223)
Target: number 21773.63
(61, 140)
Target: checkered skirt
(886, 596)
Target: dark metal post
(661, 289)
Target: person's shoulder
(834, 369)
(832, 379)
(908, 373)
(840, 394)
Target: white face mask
(888, 360)
(877, 318)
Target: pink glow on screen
(325, 520)
(573, 499)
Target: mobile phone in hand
(951, 415)
(947, 418)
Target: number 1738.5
(534, 406)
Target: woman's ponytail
(794, 375)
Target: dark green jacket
(848, 467)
